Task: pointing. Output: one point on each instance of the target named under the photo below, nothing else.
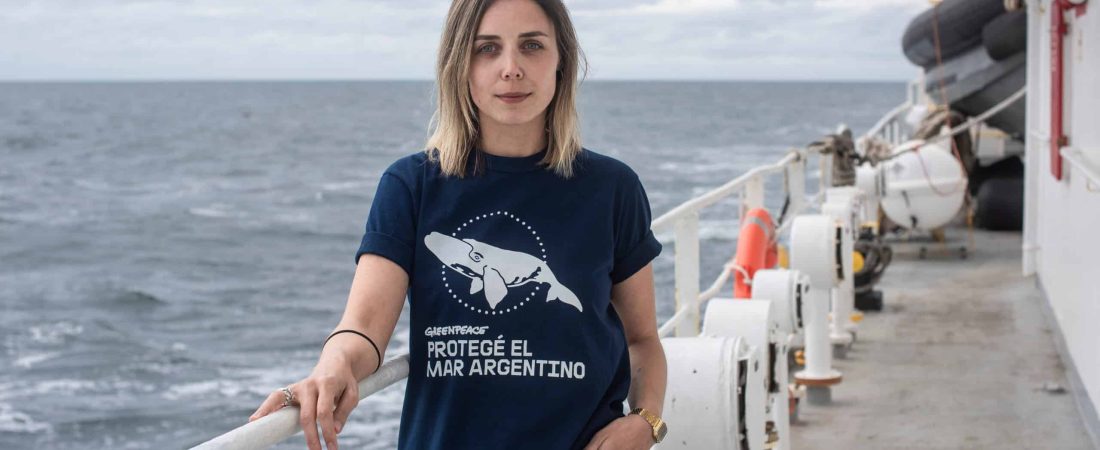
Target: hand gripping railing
(273, 428)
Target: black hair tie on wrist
(364, 337)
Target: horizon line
(325, 80)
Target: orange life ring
(756, 249)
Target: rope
(946, 105)
(745, 278)
(972, 122)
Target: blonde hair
(454, 125)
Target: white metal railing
(1077, 160)
(981, 118)
(889, 128)
(1071, 155)
(683, 219)
(276, 427)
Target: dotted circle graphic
(467, 302)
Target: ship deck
(963, 355)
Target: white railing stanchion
(687, 272)
(879, 130)
(796, 186)
(825, 180)
(753, 195)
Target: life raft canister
(756, 249)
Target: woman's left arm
(634, 300)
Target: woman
(525, 256)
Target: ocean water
(170, 253)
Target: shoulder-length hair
(454, 125)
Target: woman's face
(514, 64)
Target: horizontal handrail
(974, 121)
(273, 428)
(1073, 156)
(887, 118)
(668, 219)
(900, 148)
(686, 310)
(669, 327)
(811, 201)
(1077, 161)
(1042, 137)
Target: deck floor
(957, 359)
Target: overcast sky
(396, 39)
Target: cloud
(624, 39)
(798, 39)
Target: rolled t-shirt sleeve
(635, 244)
(391, 225)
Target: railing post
(753, 195)
(796, 186)
(687, 272)
(826, 178)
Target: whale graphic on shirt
(495, 269)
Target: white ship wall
(1062, 218)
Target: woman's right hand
(326, 397)
(329, 394)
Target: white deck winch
(815, 251)
(845, 204)
(785, 288)
(758, 323)
(715, 394)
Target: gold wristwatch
(659, 426)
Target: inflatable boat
(982, 57)
(973, 54)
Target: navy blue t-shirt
(513, 341)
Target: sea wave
(57, 387)
(135, 297)
(13, 421)
(350, 185)
(56, 332)
(217, 211)
(27, 361)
